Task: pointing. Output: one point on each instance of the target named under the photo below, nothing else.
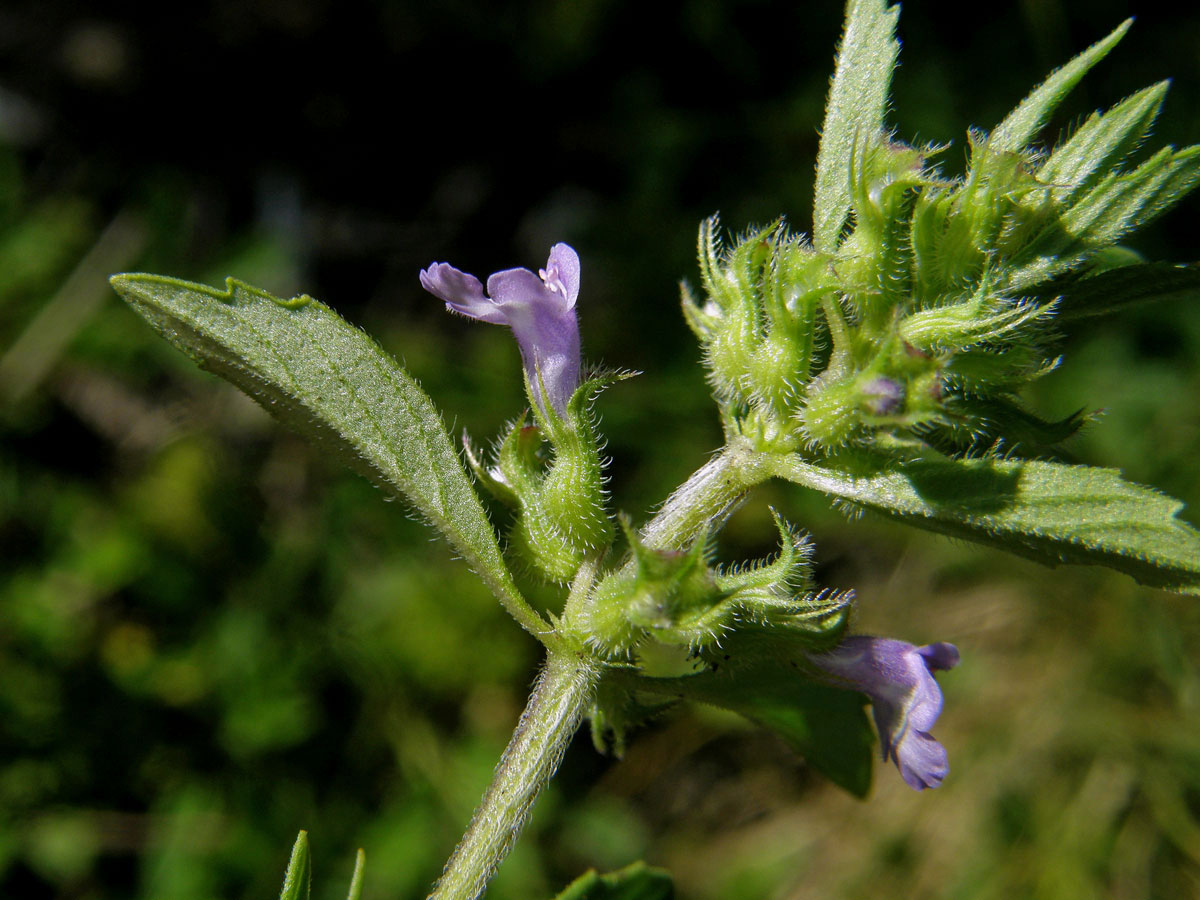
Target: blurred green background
(210, 637)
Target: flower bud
(883, 396)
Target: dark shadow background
(209, 638)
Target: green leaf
(297, 881)
(356, 880)
(1102, 142)
(827, 726)
(854, 111)
(1123, 202)
(1116, 289)
(332, 383)
(1050, 512)
(634, 882)
(1019, 127)
(1117, 205)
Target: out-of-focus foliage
(297, 880)
(210, 637)
(635, 882)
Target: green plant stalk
(708, 496)
(564, 689)
(556, 707)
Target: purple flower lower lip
(905, 698)
(540, 309)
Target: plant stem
(708, 497)
(565, 685)
(555, 708)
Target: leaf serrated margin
(334, 384)
(1050, 512)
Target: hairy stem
(565, 686)
(708, 497)
(555, 708)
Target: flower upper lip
(539, 308)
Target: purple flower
(884, 396)
(905, 698)
(540, 309)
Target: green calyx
(758, 324)
(676, 599)
(551, 473)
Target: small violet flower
(884, 396)
(905, 699)
(540, 309)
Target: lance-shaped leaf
(1126, 201)
(1019, 126)
(297, 881)
(854, 111)
(637, 881)
(1102, 142)
(1115, 206)
(332, 383)
(356, 880)
(1117, 289)
(1050, 512)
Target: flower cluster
(675, 598)
(919, 325)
